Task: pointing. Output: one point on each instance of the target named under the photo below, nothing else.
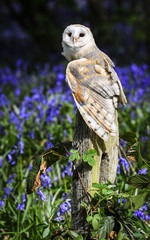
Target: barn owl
(92, 79)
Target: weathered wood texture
(105, 168)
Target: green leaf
(29, 202)
(41, 226)
(85, 158)
(130, 137)
(91, 161)
(106, 226)
(95, 224)
(46, 232)
(121, 236)
(72, 157)
(97, 216)
(138, 200)
(89, 218)
(137, 235)
(92, 152)
(97, 185)
(104, 191)
(74, 151)
(136, 152)
(77, 156)
(140, 181)
(73, 233)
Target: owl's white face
(76, 36)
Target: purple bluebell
(10, 179)
(41, 194)
(64, 207)
(20, 206)
(24, 198)
(67, 169)
(1, 161)
(69, 119)
(2, 204)
(46, 180)
(8, 190)
(118, 169)
(124, 163)
(21, 146)
(122, 201)
(142, 171)
(49, 169)
(30, 167)
(139, 214)
(65, 133)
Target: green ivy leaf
(89, 218)
(85, 158)
(95, 224)
(91, 161)
(92, 152)
(97, 216)
(72, 157)
(74, 151)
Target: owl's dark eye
(82, 35)
(69, 34)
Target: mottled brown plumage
(94, 83)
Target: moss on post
(104, 169)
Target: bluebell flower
(64, 207)
(3, 100)
(123, 200)
(69, 119)
(19, 63)
(67, 169)
(49, 145)
(65, 133)
(49, 169)
(118, 169)
(124, 163)
(30, 167)
(17, 92)
(8, 190)
(21, 206)
(41, 194)
(10, 179)
(10, 158)
(142, 171)
(1, 161)
(31, 134)
(144, 207)
(46, 181)
(2, 204)
(139, 214)
(21, 147)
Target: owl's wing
(95, 93)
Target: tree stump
(104, 169)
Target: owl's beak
(75, 40)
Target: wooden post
(104, 169)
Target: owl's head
(76, 35)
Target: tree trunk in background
(105, 168)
